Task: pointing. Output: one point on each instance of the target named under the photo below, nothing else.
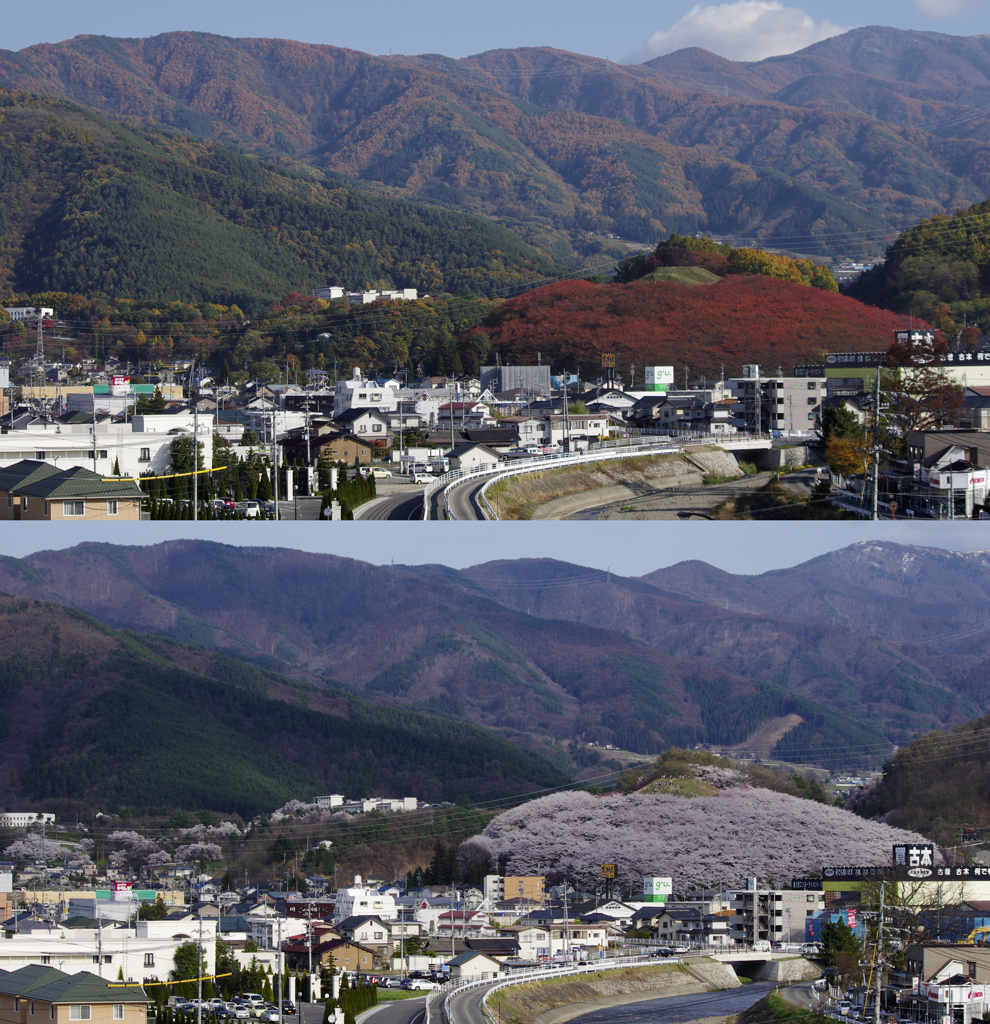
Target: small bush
(748, 469)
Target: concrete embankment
(558, 1000)
(786, 971)
(559, 492)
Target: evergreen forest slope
(938, 270)
(93, 207)
(938, 785)
(565, 148)
(550, 655)
(93, 716)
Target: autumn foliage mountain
(741, 319)
(95, 208)
(567, 149)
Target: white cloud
(746, 30)
(940, 8)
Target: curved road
(393, 507)
(465, 500)
(671, 1009)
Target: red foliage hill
(739, 320)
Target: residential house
(345, 448)
(975, 413)
(471, 457)
(368, 424)
(467, 415)
(340, 953)
(39, 992)
(38, 492)
(473, 966)
(368, 931)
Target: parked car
(269, 1015)
(843, 1006)
(378, 472)
(248, 509)
(419, 984)
(288, 1007)
(238, 1010)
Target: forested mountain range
(554, 656)
(94, 716)
(94, 207)
(814, 151)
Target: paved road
(803, 995)
(678, 1009)
(401, 1011)
(465, 500)
(673, 1009)
(674, 502)
(393, 507)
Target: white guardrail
(446, 993)
(498, 471)
(649, 442)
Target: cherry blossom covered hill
(703, 842)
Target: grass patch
(679, 787)
(773, 1010)
(390, 995)
(713, 479)
(747, 468)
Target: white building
(21, 313)
(328, 292)
(130, 447)
(776, 915)
(331, 801)
(579, 429)
(397, 295)
(358, 393)
(362, 900)
(145, 950)
(785, 404)
(21, 819)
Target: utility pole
(875, 511)
(280, 993)
(192, 374)
(878, 956)
(199, 968)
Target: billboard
(656, 890)
(122, 891)
(608, 360)
(916, 857)
(659, 378)
(608, 871)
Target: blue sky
(746, 29)
(630, 549)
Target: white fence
(538, 464)
(521, 977)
